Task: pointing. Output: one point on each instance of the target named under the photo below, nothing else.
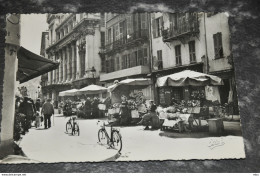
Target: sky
(32, 26)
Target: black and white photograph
(97, 87)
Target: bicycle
(72, 126)
(114, 142)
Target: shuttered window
(140, 57)
(145, 56)
(157, 25)
(192, 51)
(178, 54)
(218, 47)
(129, 25)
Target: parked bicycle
(72, 126)
(114, 141)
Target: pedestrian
(38, 104)
(37, 120)
(47, 111)
(151, 119)
(95, 110)
(27, 108)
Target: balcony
(138, 70)
(182, 29)
(128, 40)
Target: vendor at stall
(151, 119)
(95, 110)
(87, 108)
(124, 111)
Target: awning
(71, 92)
(31, 65)
(188, 77)
(130, 82)
(92, 89)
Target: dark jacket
(47, 109)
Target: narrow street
(54, 145)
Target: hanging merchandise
(212, 93)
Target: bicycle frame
(111, 131)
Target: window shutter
(215, 45)
(220, 45)
(140, 57)
(154, 28)
(161, 25)
(145, 56)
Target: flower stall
(193, 96)
(134, 91)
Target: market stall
(191, 96)
(135, 91)
(94, 103)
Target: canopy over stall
(92, 89)
(188, 77)
(141, 82)
(125, 87)
(31, 65)
(71, 92)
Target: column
(78, 60)
(54, 71)
(64, 64)
(57, 70)
(60, 66)
(73, 61)
(68, 62)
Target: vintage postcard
(91, 87)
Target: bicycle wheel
(102, 138)
(68, 127)
(117, 141)
(76, 129)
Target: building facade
(194, 41)
(127, 48)
(75, 40)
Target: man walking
(47, 111)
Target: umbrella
(130, 82)
(92, 89)
(188, 77)
(71, 92)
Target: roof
(31, 65)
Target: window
(102, 39)
(129, 25)
(116, 29)
(140, 57)
(192, 51)
(103, 64)
(109, 36)
(128, 64)
(133, 60)
(117, 64)
(107, 66)
(178, 54)
(145, 56)
(124, 62)
(159, 57)
(157, 27)
(143, 20)
(218, 48)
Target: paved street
(54, 145)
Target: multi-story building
(127, 50)
(75, 40)
(44, 77)
(195, 41)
